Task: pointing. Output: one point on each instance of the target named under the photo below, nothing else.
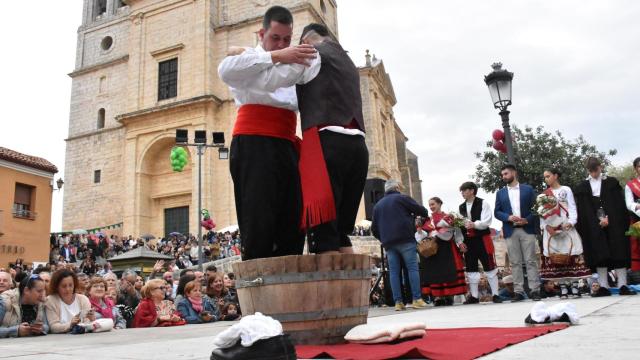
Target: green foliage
(622, 173)
(537, 150)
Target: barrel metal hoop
(322, 314)
(300, 277)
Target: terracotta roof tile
(27, 160)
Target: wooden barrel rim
(299, 277)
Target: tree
(623, 173)
(535, 151)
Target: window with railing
(23, 202)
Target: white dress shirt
(485, 217)
(514, 199)
(282, 76)
(628, 199)
(596, 184)
(254, 79)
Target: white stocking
(603, 280)
(492, 277)
(621, 274)
(474, 280)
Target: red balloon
(498, 135)
(500, 146)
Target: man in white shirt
(263, 157)
(478, 241)
(334, 159)
(602, 222)
(519, 226)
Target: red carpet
(464, 343)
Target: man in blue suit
(513, 208)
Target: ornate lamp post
(499, 83)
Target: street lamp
(499, 83)
(59, 182)
(200, 142)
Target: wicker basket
(559, 259)
(428, 247)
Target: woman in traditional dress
(561, 237)
(443, 271)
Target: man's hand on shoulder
(299, 54)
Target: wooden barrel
(317, 298)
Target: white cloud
(575, 65)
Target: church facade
(145, 68)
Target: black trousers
(266, 185)
(476, 251)
(347, 160)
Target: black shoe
(496, 299)
(517, 297)
(563, 318)
(535, 296)
(274, 348)
(448, 301)
(530, 321)
(471, 300)
(601, 292)
(564, 292)
(624, 290)
(575, 292)
(439, 302)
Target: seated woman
(154, 310)
(217, 293)
(194, 308)
(22, 311)
(64, 308)
(103, 306)
(184, 280)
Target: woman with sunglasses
(22, 310)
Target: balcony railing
(24, 214)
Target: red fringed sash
(318, 204)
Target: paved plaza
(609, 327)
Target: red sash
(318, 204)
(634, 185)
(264, 120)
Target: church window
(100, 118)
(167, 79)
(106, 43)
(96, 176)
(100, 8)
(323, 7)
(102, 85)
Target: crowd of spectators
(64, 298)
(87, 249)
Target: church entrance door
(176, 220)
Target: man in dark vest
(333, 157)
(478, 242)
(602, 223)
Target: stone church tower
(145, 68)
